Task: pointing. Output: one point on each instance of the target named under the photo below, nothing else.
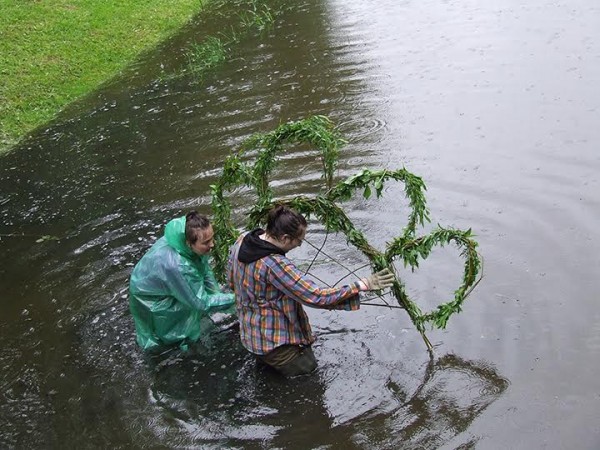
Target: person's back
(270, 292)
(172, 287)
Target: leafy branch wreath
(320, 132)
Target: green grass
(260, 17)
(254, 16)
(206, 56)
(54, 51)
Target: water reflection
(452, 394)
(105, 178)
(218, 395)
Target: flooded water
(495, 105)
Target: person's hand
(379, 280)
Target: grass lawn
(54, 51)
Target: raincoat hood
(175, 236)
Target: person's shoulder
(277, 260)
(156, 261)
(160, 246)
(162, 253)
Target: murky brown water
(496, 106)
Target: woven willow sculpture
(240, 169)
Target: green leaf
(367, 192)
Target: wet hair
(194, 224)
(283, 220)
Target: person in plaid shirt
(270, 291)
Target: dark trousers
(290, 360)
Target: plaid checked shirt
(269, 296)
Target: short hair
(195, 223)
(283, 220)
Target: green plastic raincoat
(171, 289)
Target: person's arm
(210, 283)
(286, 277)
(190, 287)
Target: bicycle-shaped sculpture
(320, 132)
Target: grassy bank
(53, 51)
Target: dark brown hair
(194, 223)
(283, 220)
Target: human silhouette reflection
(452, 394)
(217, 395)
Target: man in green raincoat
(172, 287)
